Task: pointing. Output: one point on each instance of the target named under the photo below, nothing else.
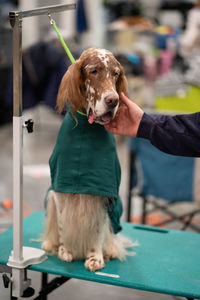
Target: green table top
(166, 261)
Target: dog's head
(94, 83)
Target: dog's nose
(112, 100)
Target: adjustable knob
(29, 125)
(6, 280)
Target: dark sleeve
(178, 135)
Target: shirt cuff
(145, 126)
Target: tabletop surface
(166, 261)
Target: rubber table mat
(166, 261)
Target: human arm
(178, 135)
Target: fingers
(111, 124)
(110, 127)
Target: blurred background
(156, 41)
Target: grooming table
(166, 261)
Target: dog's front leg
(64, 253)
(94, 260)
(100, 224)
(51, 241)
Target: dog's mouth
(103, 119)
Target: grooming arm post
(17, 139)
(18, 257)
(21, 256)
(17, 274)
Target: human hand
(127, 119)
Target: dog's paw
(94, 263)
(64, 254)
(49, 247)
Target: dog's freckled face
(94, 82)
(102, 98)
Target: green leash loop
(53, 23)
(81, 113)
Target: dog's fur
(78, 225)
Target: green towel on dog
(85, 161)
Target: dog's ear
(71, 90)
(122, 85)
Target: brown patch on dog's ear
(122, 85)
(71, 89)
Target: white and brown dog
(78, 225)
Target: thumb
(125, 100)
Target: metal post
(17, 274)
(21, 256)
(17, 139)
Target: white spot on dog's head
(91, 90)
(103, 55)
(103, 52)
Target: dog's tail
(117, 247)
(123, 243)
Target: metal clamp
(52, 21)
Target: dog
(84, 207)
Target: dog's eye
(94, 72)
